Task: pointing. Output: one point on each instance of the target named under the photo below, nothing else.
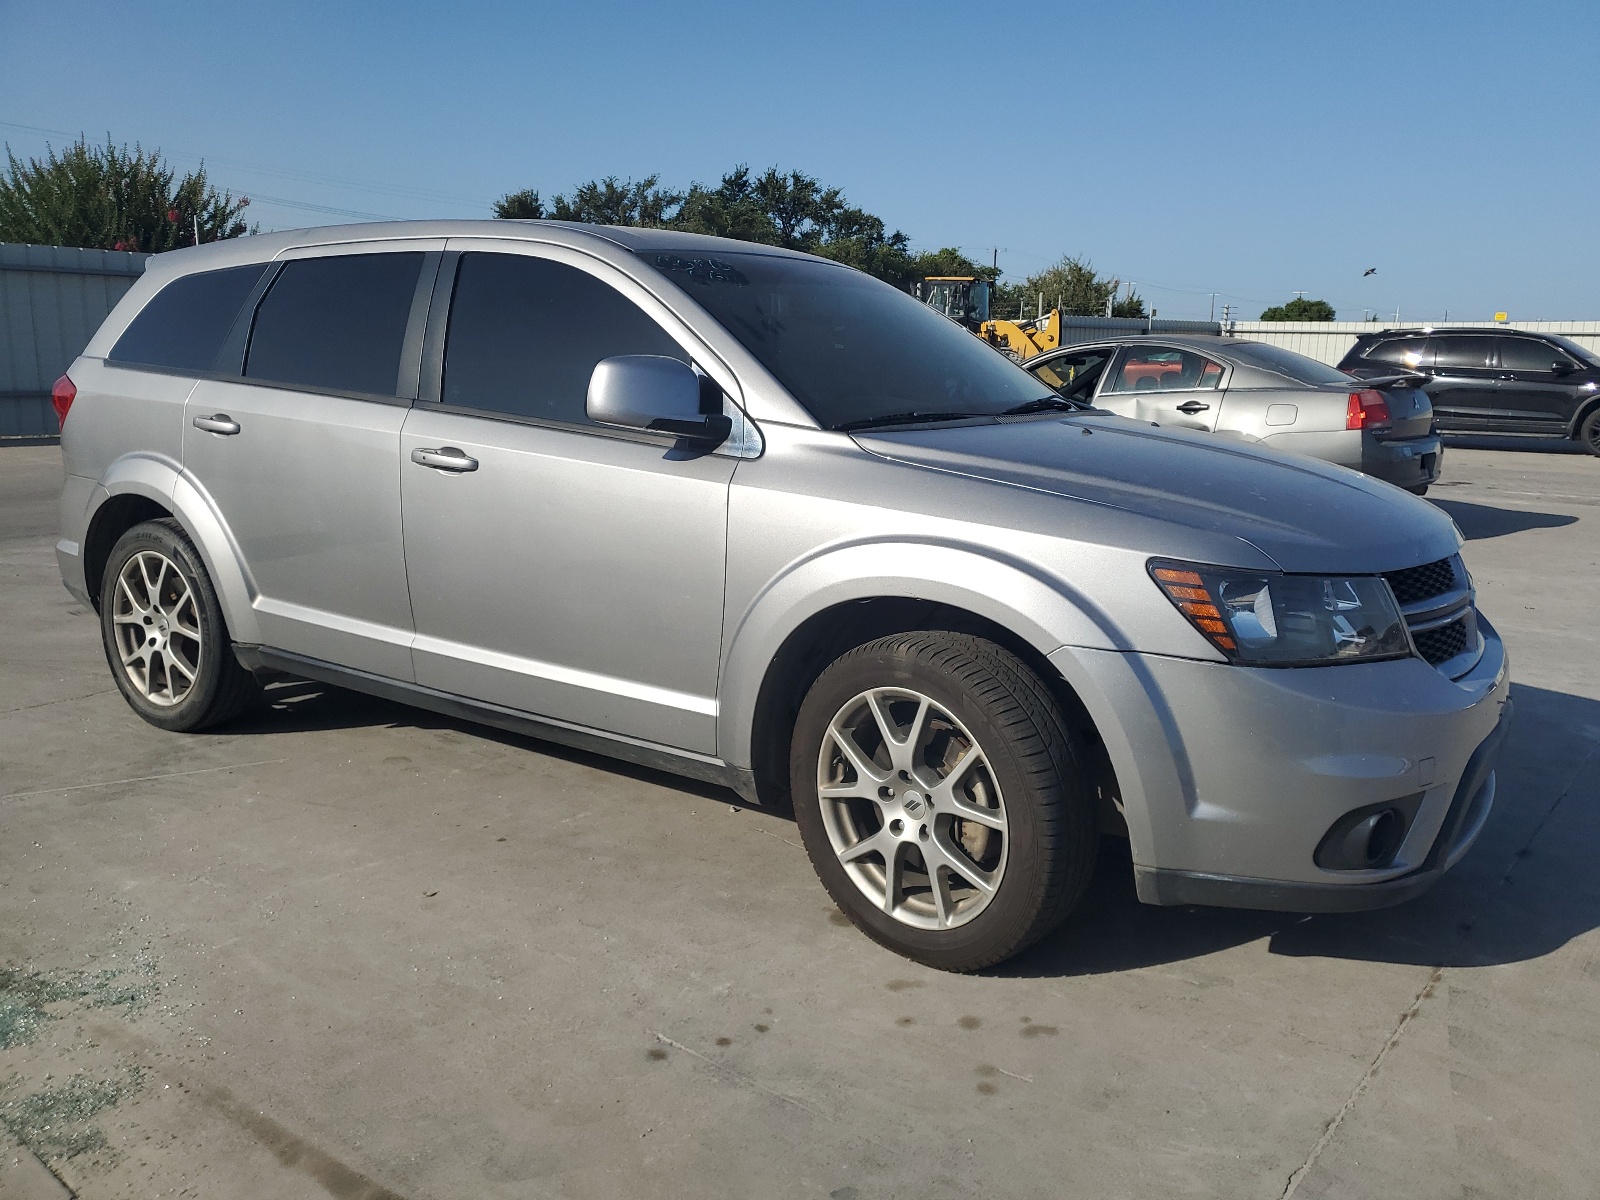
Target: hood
(1307, 516)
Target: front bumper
(1404, 462)
(1231, 776)
(1469, 809)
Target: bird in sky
(1369, 271)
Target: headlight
(1272, 620)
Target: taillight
(1367, 409)
(61, 397)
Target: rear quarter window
(336, 323)
(1402, 352)
(184, 325)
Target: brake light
(1367, 409)
(61, 397)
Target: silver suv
(753, 517)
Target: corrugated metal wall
(1329, 341)
(52, 299)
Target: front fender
(162, 479)
(1045, 611)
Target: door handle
(221, 423)
(445, 458)
(1507, 375)
(1192, 406)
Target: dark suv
(1493, 380)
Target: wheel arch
(780, 648)
(1585, 410)
(141, 488)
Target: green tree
(776, 208)
(1074, 286)
(112, 198)
(1300, 309)
(519, 206)
(950, 261)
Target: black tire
(1420, 489)
(1589, 432)
(221, 689)
(1037, 764)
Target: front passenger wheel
(1589, 432)
(164, 636)
(942, 798)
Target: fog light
(1367, 839)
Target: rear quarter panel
(1305, 421)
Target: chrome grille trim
(1431, 599)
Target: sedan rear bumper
(1404, 462)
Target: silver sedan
(1257, 393)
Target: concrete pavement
(354, 949)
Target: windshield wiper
(906, 418)
(1045, 404)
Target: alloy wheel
(912, 808)
(157, 628)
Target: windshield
(851, 349)
(1580, 352)
(1286, 362)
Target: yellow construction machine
(965, 300)
(962, 298)
(1023, 339)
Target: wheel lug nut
(897, 827)
(923, 833)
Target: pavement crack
(6, 712)
(1367, 1076)
(1581, 771)
(79, 787)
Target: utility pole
(1300, 295)
(196, 216)
(1213, 315)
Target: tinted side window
(1529, 354)
(525, 335)
(185, 323)
(336, 323)
(1462, 350)
(1073, 374)
(1163, 369)
(1403, 352)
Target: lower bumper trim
(1156, 886)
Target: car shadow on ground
(1516, 896)
(299, 706)
(1508, 901)
(1478, 522)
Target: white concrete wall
(1329, 341)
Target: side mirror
(1562, 367)
(655, 394)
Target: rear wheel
(1589, 432)
(164, 636)
(941, 798)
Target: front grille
(1436, 601)
(1416, 584)
(1444, 643)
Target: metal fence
(52, 299)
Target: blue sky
(1248, 149)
